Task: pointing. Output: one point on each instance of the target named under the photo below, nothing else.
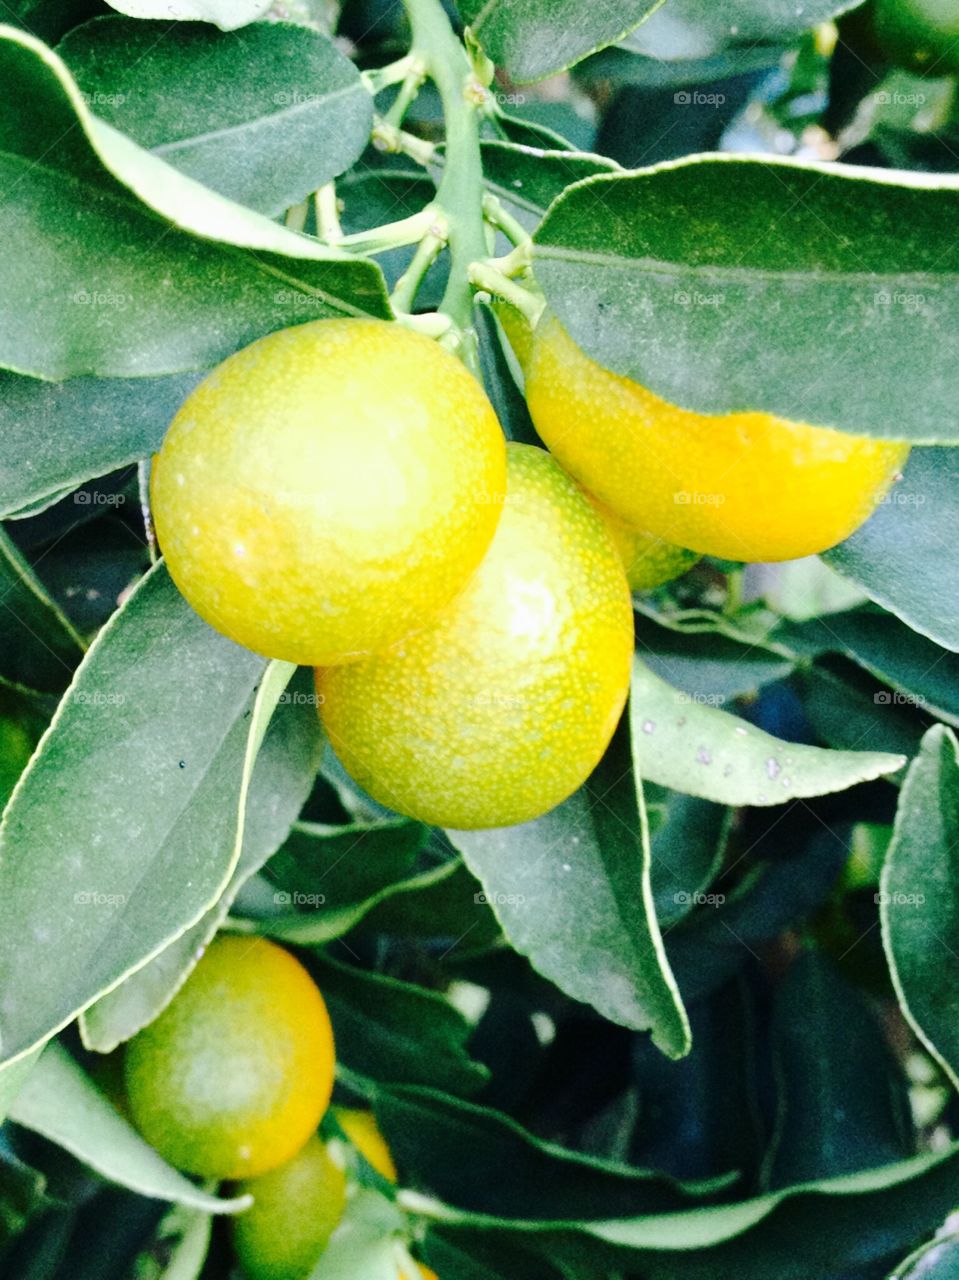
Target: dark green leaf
(281, 781)
(572, 892)
(124, 830)
(47, 446)
(38, 647)
(903, 555)
(149, 272)
(459, 1152)
(699, 28)
(717, 255)
(711, 668)
(538, 37)
(687, 849)
(920, 673)
(842, 1104)
(394, 1032)
(265, 116)
(528, 179)
(919, 897)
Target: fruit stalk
(460, 193)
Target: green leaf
(704, 751)
(843, 1104)
(38, 646)
(803, 1232)
(149, 272)
(60, 1102)
(47, 447)
(686, 850)
(921, 673)
(124, 829)
(265, 116)
(903, 555)
(919, 897)
(226, 14)
(364, 1244)
(700, 29)
(711, 668)
(539, 37)
(395, 1032)
(572, 892)
(459, 1151)
(937, 1260)
(717, 255)
(190, 1251)
(282, 778)
(528, 179)
(13, 1076)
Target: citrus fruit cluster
(340, 494)
(232, 1080)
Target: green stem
(380, 78)
(485, 276)
(460, 190)
(296, 216)
(499, 218)
(427, 251)
(387, 137)
(328, 214)
(392, 235)
(410, 87)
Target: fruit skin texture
(327, 488)
(648, 560)
(919, 35)
(745, 486)
(503, 706)
(234, 1075)
(296, 1209)
(362, 1130)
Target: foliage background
(700, 1020)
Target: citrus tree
(478, 677)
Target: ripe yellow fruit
(235, 1074)
(503, 705)
(328, 488)
(296, 1208)
(919, 35)
(744, 486)
(362, 1130)
(649, 561)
